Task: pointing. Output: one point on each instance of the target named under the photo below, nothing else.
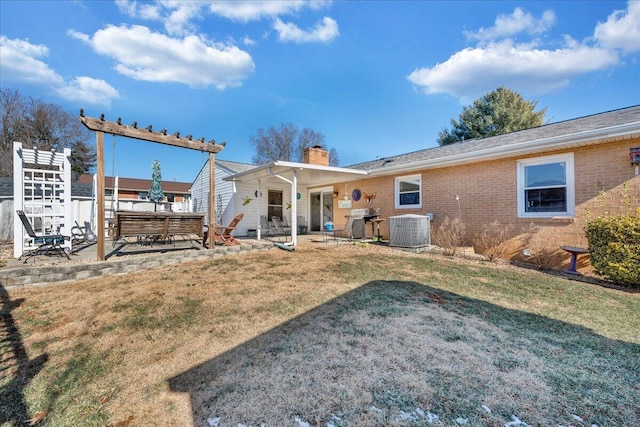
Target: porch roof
(307, 174)
(295, 174)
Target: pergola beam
(146, 134)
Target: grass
(346, 335)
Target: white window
(546, 187)
(274, 204)
(408, 192)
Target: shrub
(541, 243)
(614, 248)
(450, 235)
(492, 240)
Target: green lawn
(327, 335)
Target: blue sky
(377, 78)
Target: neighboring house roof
(234, 167)
(78, 190)
(135, 184)
(594, 129)
(229, 166)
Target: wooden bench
(151, 226)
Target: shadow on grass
(400, 353)
(16, 370)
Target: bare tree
(287, 143)
(38, 124)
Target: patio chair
(281, 229)
(346, 231)
(82, 235)
(222, 235)
(266, 227)
(48, 244)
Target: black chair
(48, 244)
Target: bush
(492, 240)
(450, 235)
(614, 248)
(542, 244)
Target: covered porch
(291, 190)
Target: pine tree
(155, 193)
(496, 113)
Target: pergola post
(100, 194)
(212, 198)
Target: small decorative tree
(155, 193)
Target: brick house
(545, 182)
(138, 189)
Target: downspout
(294, 209)
(259, 203)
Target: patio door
(320, 208)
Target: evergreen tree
(155, 193)
(496, 113)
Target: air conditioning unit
(409, 231)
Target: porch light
(634, 155)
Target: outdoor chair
(346, 231)
(266, 227)
(48, 244)
(280, 228)
(82, 235)
(222, 234)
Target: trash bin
(302, 229)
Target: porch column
(294, 209)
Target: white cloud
(517, 22)
(140, 10)
(21, 61)
(525, 66)
(474, 71)
(88, 90)
(252, 10)
(178, 15)
(324, 31)
(145, 55)
(622, 29)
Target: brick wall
(605, 181)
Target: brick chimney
(316, 156)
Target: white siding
(233, 197)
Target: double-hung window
(546, 187)
(408, 190)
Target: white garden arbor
(101, 126)
(42, 189)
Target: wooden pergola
(101, 126)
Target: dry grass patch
(341, 335)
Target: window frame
(407, 178)
(273, 208)
(569, 185)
